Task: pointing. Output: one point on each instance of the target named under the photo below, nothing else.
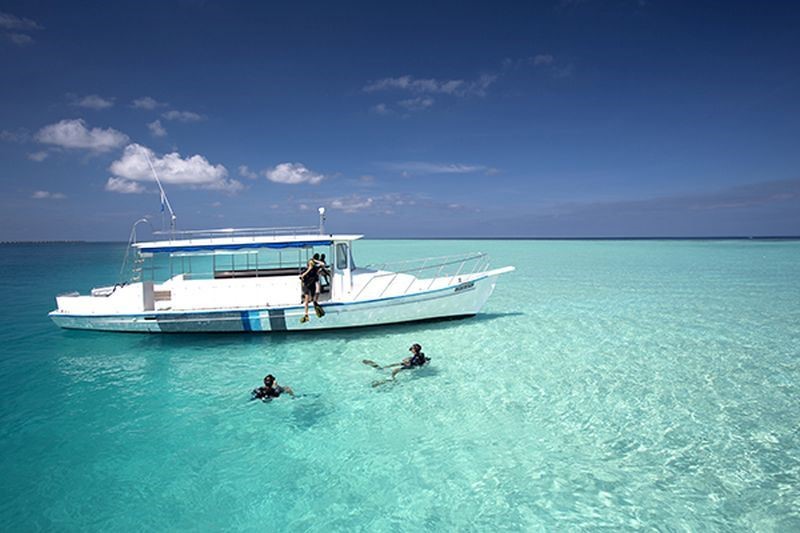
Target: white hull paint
(463, 299)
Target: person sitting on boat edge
(309, 280)
(270, 390)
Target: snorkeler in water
(417, 359)
(270, 390)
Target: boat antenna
(131, 242)
(321, 220)
(164, 200)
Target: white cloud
(156, 129)
(13, 25)
(94, 101)
(21, 135)
(38, 156)
(422, 167)
(425, 87)
(381, 109)
(292, 174)
(194, 171)
(417, 104)
(146, 102)
(245, 172)
(409, 83)
(433, 86)
(20, 39)
(480, 85)
(387, 203)
(12, 22)
(47, 195)
(546, 63)
(75, 134)
(352, 204)
(124, 186)
(183, 116)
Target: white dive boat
(248, 280)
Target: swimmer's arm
(288, 390)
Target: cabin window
(341, 256)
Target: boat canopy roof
(234, 241)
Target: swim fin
(304, 319)
(319, 310)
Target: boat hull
(460, 300)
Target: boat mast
(164, 199)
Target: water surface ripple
(609, 384)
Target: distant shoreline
(740, 238)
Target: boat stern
(80, 311)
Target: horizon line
(477, 238)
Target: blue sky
(538, 119)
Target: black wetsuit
(266, 393)
(417, 359)
(310, 279)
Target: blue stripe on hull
(255, 320)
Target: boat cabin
(239, 270)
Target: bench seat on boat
(257, 273)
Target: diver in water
(417, 359)
(270, 390)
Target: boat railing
(239, 232)
(449, 267)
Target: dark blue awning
(240, 246)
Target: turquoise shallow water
(609, 384)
